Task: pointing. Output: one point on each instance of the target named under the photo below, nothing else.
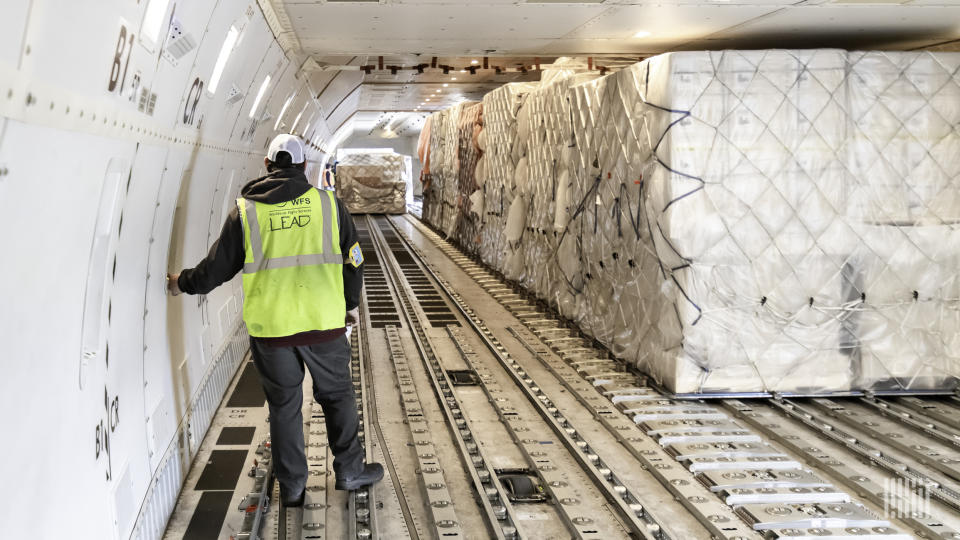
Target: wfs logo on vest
(302, 201)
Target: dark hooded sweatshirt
(226, 255)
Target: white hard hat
(286, 143)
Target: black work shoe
(372, 473)
(292, 502)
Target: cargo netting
(729, 221)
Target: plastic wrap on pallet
(450, 165)
(740, 221)
(373, 183)
(441, 193)
(500, 110)
(788, 219)
(544, 179)
(423, 146)
(903, 205)
(433, 179)
(467, 227)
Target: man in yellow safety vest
(302, 276)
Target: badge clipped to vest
(356, 255)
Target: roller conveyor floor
(495, 420)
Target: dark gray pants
(281, 373)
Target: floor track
(929, 448)
(494, 418)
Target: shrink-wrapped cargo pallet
(450, 168)
(821, 175)
(467, 223)
(433, 180)
(499, 166)
(774, 187)
(373, 183)
(760, 221)
(547, 142)
(441, 191)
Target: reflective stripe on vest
(260, 262)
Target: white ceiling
(461, 27)
(511, 32)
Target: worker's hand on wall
(172, 286)
(353, 317)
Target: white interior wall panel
(253, 126)
(119, 166)
(163, 403)
(255, 37)
(250, 79)
(208, 30)
(344, 110)
(44, 305)
(188, 245)
(337, 85)
(133, 263)
(13, 24)
(290, 105)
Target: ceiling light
(221, 63)
(428, 99)
(446, 85)
(297, 119)
(153, 20)
(463, 71)
(256, 102)
(453, 78)
(283, 110)
(474, 61)
(642, 34)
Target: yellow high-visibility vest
(293, 266)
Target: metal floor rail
(770, 490)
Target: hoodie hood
(279, 186)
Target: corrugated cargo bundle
(753, 221)
(373, 183)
